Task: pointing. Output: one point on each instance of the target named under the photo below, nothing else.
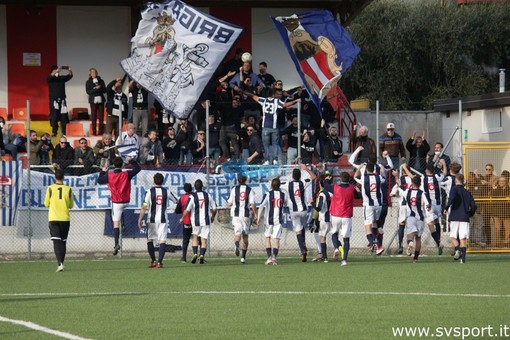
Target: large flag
(320, 47)
(175, 52)
(11, 177)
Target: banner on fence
(90, 196)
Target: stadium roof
(344, 10)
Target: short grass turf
(223, 299)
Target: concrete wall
(405, 123)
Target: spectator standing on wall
(96, 88)
(57, 90)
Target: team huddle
(332, 205)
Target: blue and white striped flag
(11, 177)
(128, 150)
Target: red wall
(34, 32)
(241, 17)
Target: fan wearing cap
(391, 142)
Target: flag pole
(29, 195)
(298, 133)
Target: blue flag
(320, 47)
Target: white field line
(40, 328)
(253, 292)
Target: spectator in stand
(140, 106)
(438, 154)
(418, 150)
(165, 119)
(392, 142)
(233, 64)
(361, 139)
(266, 78)
(487, 181)
(254, 147)
(245, 71)
(244, 139)
(63, 155)
(6, 146)
(58, 105)
(151, 150)
(84, 155)
(291, 134)
(198, 148)
(270, 133)
(501, 212)
(171, 149)
(35, 147)
(308, 149)
(116, 106)
(44, 152)
(230, 115)
(333, 146)
(128, 137)
(214, 139)
(185, 136)
(198, 114)
(104, 151)
(96, 88)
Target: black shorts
(59, 230)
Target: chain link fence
(91, 233)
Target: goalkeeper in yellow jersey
(59, 199)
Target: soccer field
(222, 299)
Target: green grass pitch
(222, 299)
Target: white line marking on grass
(40, 328)
(254, 292)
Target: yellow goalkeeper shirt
(59, 199)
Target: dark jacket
(331, 144)
(93, 92)
(462, 204)
(63, 156)
(418, 156)
(369, 148)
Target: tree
(416, 51)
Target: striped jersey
(241, 197)
(430, 185)
(297, 189)
(447, 184)
(405, 183)
(200, 206)
(156, 201)
(417, 203)
(270, 108)
(323, 203)
(273, 203)
(371, 189)
(59, 199)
